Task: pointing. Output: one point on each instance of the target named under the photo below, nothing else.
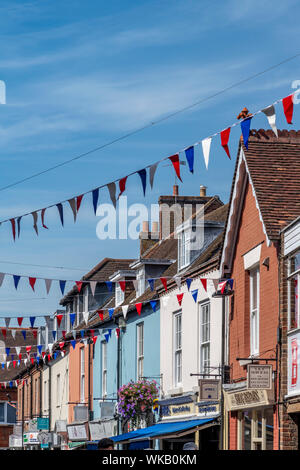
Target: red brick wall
(5, 431)
(250, 234)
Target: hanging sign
(259, 376)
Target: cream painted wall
(190, 333)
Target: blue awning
(162, 429)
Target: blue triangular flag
(143, 176)
(82, 333)
(72, 318)
(153, 304)
(111, 312)
(3, 365)
(230, 282)
(61, 212)
(151, 284)
(10, 384)
(55, 355)
(188, 283)
(62, 285)
(16, 280)
(109, 285)
(37, 359)
(7, 350)
(12, 357)
(32, 320)
(18, 224)
(195, 294)
(54, 334)
(189, 154)
(109, 331)
(40, 347)
(73, 342)
(106, 337)
(24, 334)
(95, 199)
(245, 126)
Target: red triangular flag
(92, 333)
(122, 285)
(139, 307)
(95, 339)
(204, 283)
(122, 185)
(20, 356)
(13, 226)
(28, 349)
(100, 313)
(43, 217)
(3, 332)
(78, 202)
(49, 357)
(43, 354)
(20, 319)
(34, 332)
(176, 164)
(164, 282)
(14, 363)
(118, 332)
(32, 282)
(179, 298)
(288, 106)
(79, 285)
(224, 140)
(59, 319)
(32, 360)
(64, 333)
(61, 344)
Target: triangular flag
(50, 346)
(13, 333)
(215, 283)
(118, 332)
(204, 283)
(143, 176)
(177, 279)
(19, 225)
(3, 331)
(164, 282)
(13, 227)
(152, 171)
(111, 312)
(48, 283)
(86, 317)
(176, 164)
(122, 285)
(73, 343)
(79, 285)
(72, 318)
(78, 202)
(109, 285)
(100, 313)
(2, 275)
(94, 339)
(225, 139)
(82, 332)
(54, 334)
(28, 349)
(16, 280)
(151, 284)
(61, 344)
(122, 185)
(153, 304)
(61, 212)
(62, 285)
(188, 282)
(245, 126)
(59, 319)
(64, 333)
(109, 331)
(189, 155)
(35, 218)
(43, 218)
(95, 199)
(7, 351)
(7, 321)
(34, 332)
(18, 350)
(195, 294)
(271, 116)
(179, 298)
(138, 307)
(24, 334)
(135, 284)
(106, 337)
(72, 203)
(32, 281)
(230, 282)
(40, 347)
(32, 320)
(74, 334)
(112, 193)
(288, 107)
(206, 149)
(93, 287)
(19, 319)
(125, 309)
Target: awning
(163, 430)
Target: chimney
(175, 190)
(147, 239)
(202, 191)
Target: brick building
(264, 199)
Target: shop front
(251, 417)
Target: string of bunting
(75, 201)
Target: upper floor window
(104, 368)
(7, 413)
(204, 338)
(254, 311)
(82, 375)
(86, 299)
(177, 348)
(141, 282)
(119, 295)
(140, 350)
(293, 291)
(183, 249)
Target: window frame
(140, 357)
(254, 317)
(293, 276)
(177, 351)
(118, 293)
(184, 240)
(5, 421)
(104, 368)
(82, 375)
(204, 344)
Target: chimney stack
(202, 190)
(175, 190)
(147, 239)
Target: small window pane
(2, 412)
(11, 413)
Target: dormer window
(141, 282)
(119, 299)
(184, 238)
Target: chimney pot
(175, 190)
(145, 226)
(154, 226)
(202, 191)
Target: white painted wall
(190, 333)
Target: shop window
(293, 291)
(255, 429)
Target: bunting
(143, 175)
(176, 164)
(224, 140)
(189, 155)
(288, 107)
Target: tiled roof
(274, 167)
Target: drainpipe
(89, 389)
(23, 404)
(49, 397)
(41, 392)
(222, 376)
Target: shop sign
(207, 409)
(42, 423)
(44, 437)
(246, 399)
(101, 429)
(177, 410)
(294, 364)
(31, 438)
(208, 389)
(15, 440)
(32, 425)
(77, 433)
(259, 376)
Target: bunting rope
(75, 201)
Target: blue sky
(79, 74)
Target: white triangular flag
(7, 364)
(112, 193)
(86, 317)
(135, 284)
(48, 283)
(271, 116)
(206, 149)
(177, 279)
(2, 276)
(84, 341)
(47, 320)
(152, 173)
(125, 309)
(50, 346)
(18, 349)
(74, 334)
(72, 203)
(215, 282)
(93, 287)
(13, 333)
(25, 361)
